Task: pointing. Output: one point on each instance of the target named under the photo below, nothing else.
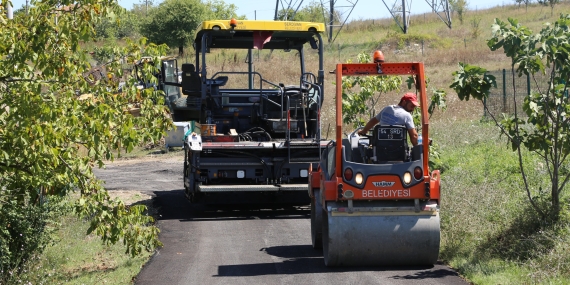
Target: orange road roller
(374, 201)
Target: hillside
(430, 41)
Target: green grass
(76, 258)
(490, 234)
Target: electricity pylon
(401, 13)
(337, 12)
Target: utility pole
(146, 3)
(331, 21)
(9, 12)
(276, 8)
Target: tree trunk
(181, 50)
(555, 195)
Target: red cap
(378, 56)
(411, 97)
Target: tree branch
(11, 79)
(543, 156)
(536, 84)
(563, 159)
(496, 122)
(561, 187)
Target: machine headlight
(240, 173)
(407, 178)
(358, 178)
(348, 194)
(304, 173)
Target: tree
(128, 26)
(141, 10)
(106, 28)
(287, 15)
(546, 129)
(113, 27)
(174, 22)
(459, 6)
(220, 10)
(313, 12)
(550, 3)
(51, 138)
(145, 4)
(526, 2)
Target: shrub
(24, 231)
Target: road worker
(400, 114)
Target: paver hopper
(373, 200)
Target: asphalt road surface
(240, 245)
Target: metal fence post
(504, 91)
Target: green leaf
(51, 138)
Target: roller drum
(316, 220)
(380, 239)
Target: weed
(25, 231)
(475, 27)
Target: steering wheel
(354, 135)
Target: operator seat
(191, 82)
(390, 143)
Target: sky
(265, 9)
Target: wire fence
(502, 99)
